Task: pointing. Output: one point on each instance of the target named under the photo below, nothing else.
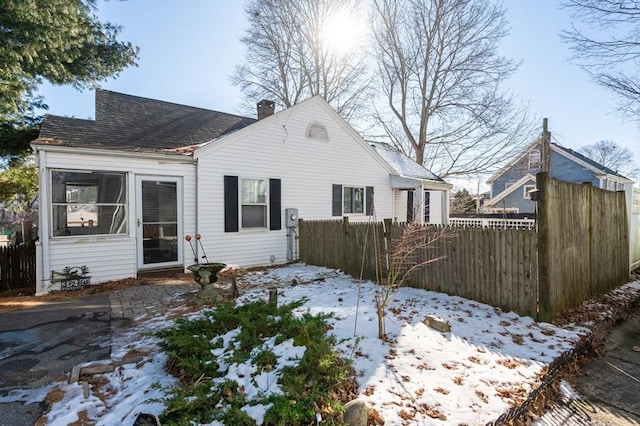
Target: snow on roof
(402, 164)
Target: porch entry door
(159, 221)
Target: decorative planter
(206, 273)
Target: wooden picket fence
(18, 267)
(580, 249)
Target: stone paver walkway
(150, 299)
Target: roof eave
(165, 156)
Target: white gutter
(405, 182)
(181, 158)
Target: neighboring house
(119, 193)
(512, 186)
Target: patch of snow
(488, 361)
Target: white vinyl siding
(436, 212)
(400, 205)
(106, 259)
(308, 169)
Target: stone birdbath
(205, 274)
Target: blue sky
(189, 48)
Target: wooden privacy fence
(583, 243)
(18, 266)
(494, 266)
(579, 250)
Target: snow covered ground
(488, 362)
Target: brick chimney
(265, 108)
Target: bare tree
(409, 248)
(605, 39)
(289, 58)
(611, 155)
(442, 77)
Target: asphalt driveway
(39, 344)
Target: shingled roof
(588, 160)
(132, 123)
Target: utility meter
(291, 218)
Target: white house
(119, 193)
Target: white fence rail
(493, 222)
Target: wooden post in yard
(345, 254)
(273, 296)
(544, 237)
(546, 147)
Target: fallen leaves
(509, 363)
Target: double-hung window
(254, 203)
(353, 198)
(88, 203)
(535, 159)
(528, 189)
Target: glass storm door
(158, 221)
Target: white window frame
(536, 155)
(527, 190)
(352, 190)
(89, 225)
(244, 203)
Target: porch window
(88, 203)
(254, 203)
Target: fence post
(345, 252)
(544, 284)
(301, 247)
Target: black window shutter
(275, 210)
(409, 206)
(231, 204)
(337, 201)
(369, 200)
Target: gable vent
(318, 132)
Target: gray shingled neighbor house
(119, 193)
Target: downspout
(197, 209)
(43, 279)
(393, 201)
